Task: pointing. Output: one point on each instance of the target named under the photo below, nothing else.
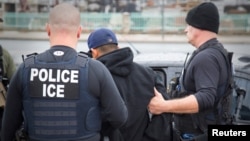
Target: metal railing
(127, 23)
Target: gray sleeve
(207, 74)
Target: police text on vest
(54, 80)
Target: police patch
(54, 83)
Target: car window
(242, 97)
(161, 76)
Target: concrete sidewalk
(174, 38)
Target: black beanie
(204, 16)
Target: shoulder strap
(226, 98)
(228, 57)
(30, 59)
(82, 59)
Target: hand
(156, 104)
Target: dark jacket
(205, 77)
(135, 83)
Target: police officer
(204, 80)
(7, 69)
(60, 94)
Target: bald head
(64, 26)
(64, 17)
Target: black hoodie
(135, 83)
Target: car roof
(161, 59)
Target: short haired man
(59, 94)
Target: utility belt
(176, 90)
(190, 127)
